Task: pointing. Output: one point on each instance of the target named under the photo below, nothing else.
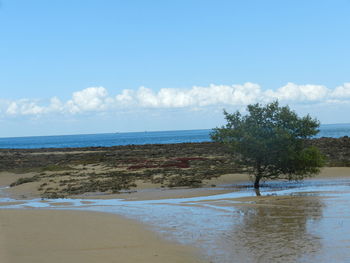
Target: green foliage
(24, 180)
(270, 142)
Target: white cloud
(24, 107)
(299, 93)
(96, 99)
(146, 98)
(342, 92)
(89, 99)
(12, 108)
(194, 97)
(55, 105)
(223, 94)
(125, 98)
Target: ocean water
(106, 139)
(127, 138)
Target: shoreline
(38, 234)
(131, 173)
(122, 170)
(224, 184)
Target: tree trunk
(258, 175)
(257, 185)
(257, 181)
(257, 192)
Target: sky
(96, 66)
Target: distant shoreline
(104, 133)
(135, 138)
(141, 132)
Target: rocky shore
(336, 150)
(64, 172)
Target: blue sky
(102, 66)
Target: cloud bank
(98, 99)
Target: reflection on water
(308, 222)
(276, 230)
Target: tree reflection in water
(275, 229)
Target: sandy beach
(128, 173)
(43, 235)
(39, 235)
(35, 236)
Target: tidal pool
(291, 222)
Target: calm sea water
(159, 137)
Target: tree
(270, 141)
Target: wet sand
(35, 236)
(229, 226)
(304, 222)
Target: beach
(174, 131)
(41, 234)
(130, 225)
(35, 236)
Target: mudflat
(121, 170)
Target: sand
(35, 236)
(38, 235)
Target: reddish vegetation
(186, 159)
(176, 163)
(147, 164)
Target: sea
(136, 138)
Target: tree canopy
(270, 141)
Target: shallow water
(297, 222)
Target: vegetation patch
(119, 168)
(187, 181)
(25, 180)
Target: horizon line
(122, 132)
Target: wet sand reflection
(275, 230)
(306, 223)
